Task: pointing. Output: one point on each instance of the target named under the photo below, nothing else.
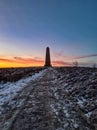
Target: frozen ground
(9, 90)
(54, 99)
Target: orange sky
(10, 61)
(25, 62)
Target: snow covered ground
(69, 93)
(10, 89)
(79, 86)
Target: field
(48, 99)
(14, 74)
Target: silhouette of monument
(47, 58)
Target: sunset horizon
(39, 62)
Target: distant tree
(94, 65)
(75, 64)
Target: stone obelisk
(47, 58)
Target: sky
(68, 27)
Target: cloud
(61, 63)
(64, 57)
(20, 60)
(60, 55)
(85, 56)
(6, 60)
(28, 60)
(17, 58)
(38, 58)
(40, 61)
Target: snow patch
(10, 89)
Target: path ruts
(36, 114)
(45, 108)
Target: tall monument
(47, 58)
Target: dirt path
(47, 107)
(37, 113)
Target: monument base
(47, 65)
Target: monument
(47, 58)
